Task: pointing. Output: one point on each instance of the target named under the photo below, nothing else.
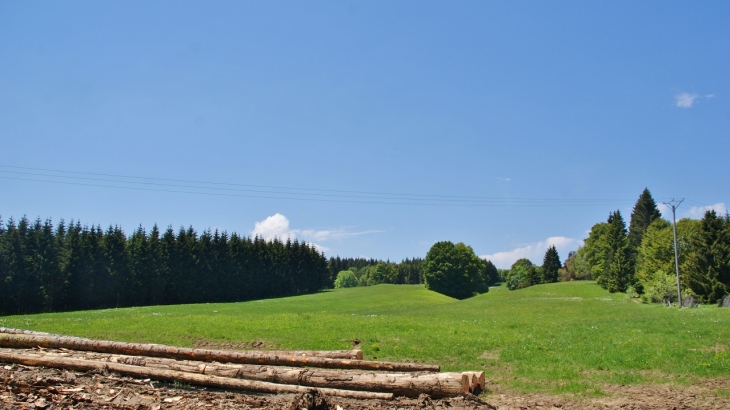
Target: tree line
(479, 274)
(47, 268)
(640, 260)
(524, 273)
(352, 272)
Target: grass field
(559, 338)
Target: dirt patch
(716, 349)
(490, 355)
(23, 387)
(26, 387)
(355, 342)
(703, 394)
(217, 344)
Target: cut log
(437, 385)
(476, 382)
(355, 354)
(10, 330)
(173, 375)
(231, 356)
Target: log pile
(334, 373)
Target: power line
(381, 196)
(464, 204)
(193, 187)
(280, 190)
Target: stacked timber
(340, 373)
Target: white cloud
(709, 96)
(319, 247)
(504, 179)
(685, 100)
(698, 212)
(325, 235)
(534, 251)
(277, 226)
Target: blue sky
(368, 128)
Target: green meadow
(571, 337)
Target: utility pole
(674, 205)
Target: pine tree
(73, 267)
(708, 273)
(644, 213)
(3, 271)
(122, 284)
(551, 265)
(158, 269)
(141, 268)
(47, 262)
(30, 280)
(168, 253)
(618, 274)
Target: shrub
(346, 279)
(662, 288)
(631, 293)
(522, 274)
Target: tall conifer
(550, 265)
(709, 266)
(644, 213)
(618, 274)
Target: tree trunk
(355, 354)
(436, 385)
(244, 357)
(174, 375)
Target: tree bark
(244, 357)
(437, 385)
(355, 354)
(174, 375)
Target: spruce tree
(618, 274)
(708, 273)
(141, 268)
(644, 213)
(158, 268)
(550, 265)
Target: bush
(631, 293)
(346, 279)
(522, 274)
(383, 273)
(662, 288)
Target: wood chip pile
(340, 373)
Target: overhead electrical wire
(153, 184)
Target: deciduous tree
(346, 279)
(453, 270)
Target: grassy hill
(565, 337)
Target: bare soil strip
(24, 387)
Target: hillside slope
(563, 337)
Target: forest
(47, 268)
(640, 260)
